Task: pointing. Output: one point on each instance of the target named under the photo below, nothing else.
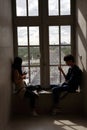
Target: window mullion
(60, 51)
(28, 54)
(59, 7)
(27, 7)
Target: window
(59, 46)
(21, 9)
(29, 51)
(53, 7)
(43, 35)
(65, 7)
(27, 8)
(59, 7)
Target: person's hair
(69, 58)
(17, 64)
(17, 60)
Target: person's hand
(24, 76)
(60, 69)
(25, 73)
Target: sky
(33, 7)
(34, 31)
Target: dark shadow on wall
(81, 26)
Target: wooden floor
(48, 122)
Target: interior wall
(6, 55)
(81, 42)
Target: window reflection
(22, 36)
(54, 55)
(33, 7)
(21, 8)
(35, 75)
(34, 35)
(54, 75)
(65, 7)
(65, 50)
(53, 7)
(53, 35)
(34, 56)
(23, 53)
(65, 35)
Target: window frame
(43, 21)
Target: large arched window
(43, 35)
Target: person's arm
(73, 77)
(23, 75)
(17, 77)
(61, 70)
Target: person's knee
(55, 90)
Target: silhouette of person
(20, 86)
(72, 80)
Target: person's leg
(30, 88)
(34, 87)
(32, 96)
(56, 94)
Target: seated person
(72, 80)
(21, 88)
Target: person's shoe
(36, 93)
(56, 111)
(34, 113)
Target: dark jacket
(74, 77)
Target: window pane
(65, 35)
(21, 8)
(65, 8)
(35, 75)
(33, 7)
(34, 35)
(54, 55)
(53, 35)
(22, 36)
(54, 75)
(23, 53)
(34, 56)
(53, 8)
(65, 69)
(65, 50)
